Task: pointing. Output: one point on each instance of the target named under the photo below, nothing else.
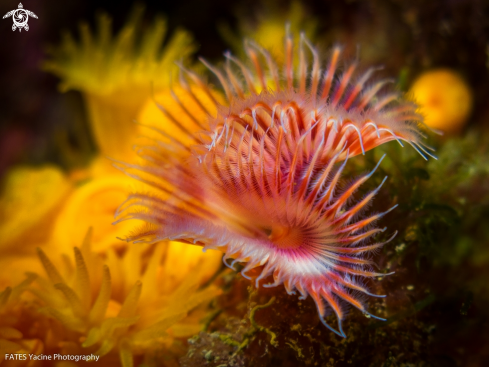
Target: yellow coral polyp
(29, 202)
(104, 312)
(12, 320)
(269, 31)
(116, 74)
(445, 99)
(181, 260)
(93, 205)
(163, 111)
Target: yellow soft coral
(115, 75)
(269, 29)
(445, 99)
(16, 325)
(176, 109)
(93, 204)
(123, 303)
(117, 308)
(29, 201)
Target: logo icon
(20, 17)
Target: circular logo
(20, 18)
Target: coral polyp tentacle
(264, 182)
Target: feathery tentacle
(262, 183)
